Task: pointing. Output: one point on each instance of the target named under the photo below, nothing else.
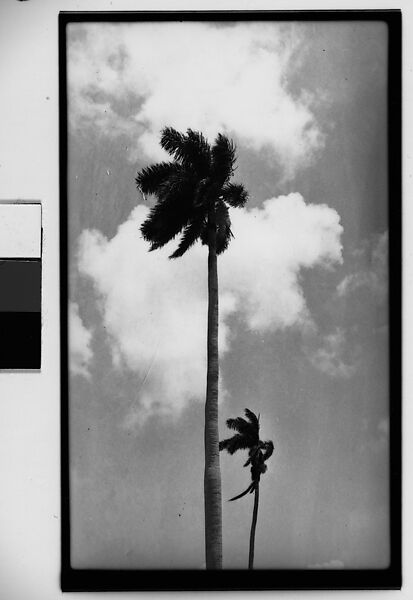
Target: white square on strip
(20, 230)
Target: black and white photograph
(226, 219)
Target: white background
(20, 230)
(30, 402)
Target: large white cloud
(233, 79)
(271, 246)
(154, 309)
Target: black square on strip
(20, 314)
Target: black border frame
(277, 579)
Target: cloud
(362, 292)
(331, 564)
(154, 309)
(232, 78)
(79, 342)
(272, 245)
(371, 273)
(329, 357)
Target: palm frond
(190, 149)
(253, 452)
(190, 235)
(252, 418)
(223, 159)
(181, 182)
(239, 424)
(172, 141)
(158, 234)
(268, 449)
(173, 210)
(149, 179)
(248, 462)
(197, 152)
(249, 489)
(235, 194)
(165, 221)
(235, 443)
(246, 428)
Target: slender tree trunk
(253, 526)
(212, 476)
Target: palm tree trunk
(212, 476)
(253, 526)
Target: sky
(303, 294)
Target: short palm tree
(193, 194)
(247, 437)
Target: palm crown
(247, 438)
(193, 191)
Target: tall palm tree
(193, 193)
(247, 437)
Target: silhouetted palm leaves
(193, 192)
(247, 438)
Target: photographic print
(230, 185)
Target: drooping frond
(268, 449)
(235, 443)
(190, 235)
(249, 489)
(149, 179)
(235, 194)
(159, 234)
(223, 159)
(253, 453)
(190, 149)
(248, 462)
(163, 222)
(170, 214)
(223, 225)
